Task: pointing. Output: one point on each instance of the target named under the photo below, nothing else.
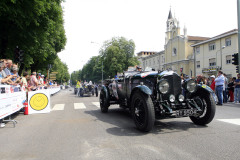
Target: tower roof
(170, 14)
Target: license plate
(186, 112)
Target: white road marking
(79, 106)
(58, 107)
(232, 121)
(96, 104)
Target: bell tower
(173, 28)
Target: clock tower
(173, 28)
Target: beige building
(216, 53)
(178, 51)
(154, 60)
(193, 55)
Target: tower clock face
(170, 24)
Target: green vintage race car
(155, 95)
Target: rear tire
(96, 92)
(208, 107)
(142, 111)
(104, 104)
(81, 92)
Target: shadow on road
(123, 124)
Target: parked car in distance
(88, 90)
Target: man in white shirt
(219, 82)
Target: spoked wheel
(96, 92)
(81, 92)
(104, 104)
(207, 104)
(142, 111)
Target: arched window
(174, 51)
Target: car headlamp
(181, 98)
(191, 85)
(171, 98)
(163, 86)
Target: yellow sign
(39, 101)
(54, 72)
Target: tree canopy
(36, 27)
(115, 56)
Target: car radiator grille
(174, 84)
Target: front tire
(207, 105)
(104, 104)
(96, 92)
(142, 111)
(81, 92)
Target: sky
(89, 23)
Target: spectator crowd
(226, 89)
(9, 76)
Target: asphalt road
(76, 130)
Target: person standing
(219, 82)
(212, 86)
(8, 67)
(33, 81)
(231, 89)
(4, 80)
(225, 91)
(237, 89)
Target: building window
(212, 46)
(212, 62)
(174, 51)
(228, 41)
(197, 50)
(198, 64)
(228, 59)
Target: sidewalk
(231, 104)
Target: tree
(116, 56)
(62, 71)
(36, 27)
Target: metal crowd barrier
(12, 99)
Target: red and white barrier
(11, 103)
(13, 99)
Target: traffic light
(235, 59)
(16, 54)
(237, 69)
(20, 58)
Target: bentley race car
(154, 95)
(88, 90)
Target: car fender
(206, 89)
(105, 90)
(144, 89)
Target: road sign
(54, 72)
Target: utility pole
(238, 16)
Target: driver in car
(138, 68)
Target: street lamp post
(221, 56)
(102, 72)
